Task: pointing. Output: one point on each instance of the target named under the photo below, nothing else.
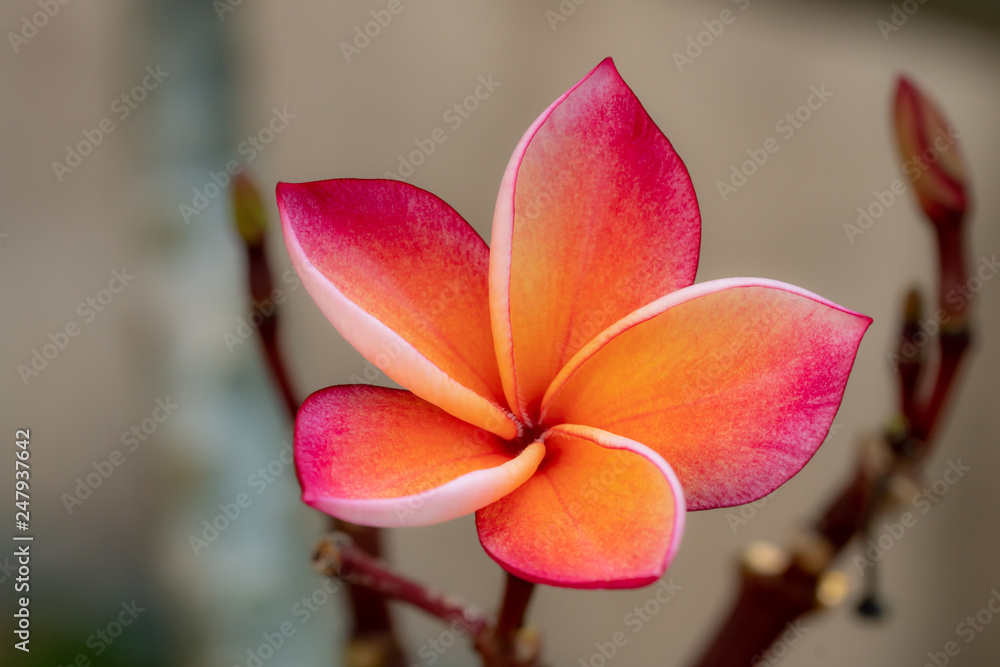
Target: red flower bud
(932, 160)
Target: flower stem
(768, 601)
(955, 337)
(337, 556)
(911, 356)
(372, 635)
(516, 597)
(506, 644)
(260, 290)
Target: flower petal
(734, 382)
(602, 511)
(384, 457)
(596, 216)
(404, 279)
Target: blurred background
(119, 119)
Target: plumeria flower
(568, 384)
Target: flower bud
(248, 210)
(932, 160)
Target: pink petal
(596, 216)
(384, 457)
(404, 279)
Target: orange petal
(384, 457)
(602, 511)
(404, 279)
(596, 217)
(734, 382)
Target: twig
(373, 641)
(512, 643)
(516, 597)
(770, 599)
(260, 293)
(351, 553)
(505, 644)
(337, 556)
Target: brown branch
(778, 586)
(511, 643)
(953, 347)
(771, 599)
(516, 597)
(351, 553)
(954, 337)
(771, 593)
(373, 640)
(505, 644)
(337, 556)
(911, 355)
(261, 285)
(768, 603)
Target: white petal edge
(501, 249)
(463, 495)
(613, 441)
(664, 304)
(405, 364)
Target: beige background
(164, 334)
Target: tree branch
(771, 599)
(373, 641)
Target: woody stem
(516, 597)
(373, 627)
